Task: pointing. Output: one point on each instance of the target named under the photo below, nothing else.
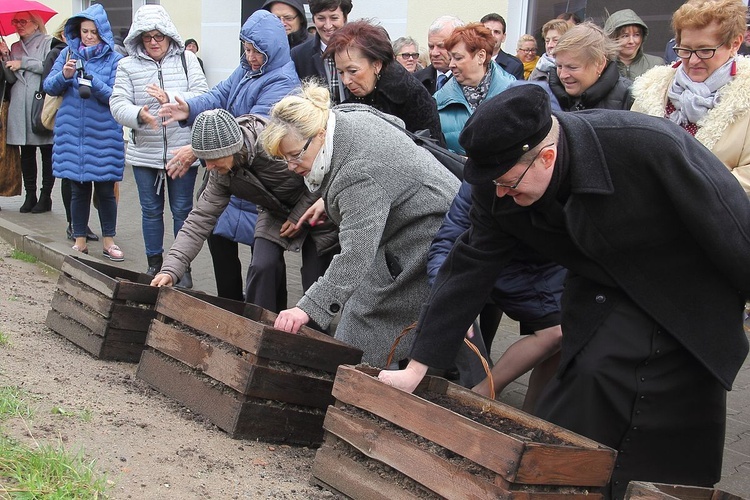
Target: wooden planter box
(383, 443)
(638, 490)
(103, 309)
(223, 360)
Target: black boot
(187, 279)
(29, 203)
(154, 264)
(44, 204)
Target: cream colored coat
(725, 129)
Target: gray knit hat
(216, 134)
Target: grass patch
(47, 472)
(19, 255)
(4, 339)
(13, 403)
(83, 415)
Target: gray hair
(402, 42)
(443, 21)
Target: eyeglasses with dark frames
(683, 53)
(288, 18)
(409, 55)
(528, 51)
(520, 178)
(159, 37)
(298, 157)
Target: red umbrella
(9, 8)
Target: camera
(84, 81)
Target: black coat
(398, 93)
(308, 60)
(664, 223)
(428, 78)
(511, 64)
(610, 91)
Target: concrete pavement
(43, 235)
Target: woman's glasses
(699, 53)
(528, 51)
(158, 37)
(298, 157)
(409, 55)
(19, 22)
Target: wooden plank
(490, 449)
(431, 471)
(238, 373)
(252, 336)
(352, 478)
(85, 295)
(129, 352)
(113, 272)
(83, 271)
(127, 336)
(68, 306)
(75, 332)
(565, 465)
(131, 317)
(235, 414)
(137, 292)
(638, 490)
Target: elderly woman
(388, 197)
(407, 53)
(291, 13)
(265, 74)
(476, 77)
(526, 52)
(156, 72)
(364, 59)
(551, 32)
(84, 114)
(630, 32)
(22, 66)
(707, 93)
(587, 75)
(239, 167)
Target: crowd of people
(604, 202)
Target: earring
(377, 76)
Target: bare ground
(148, 445)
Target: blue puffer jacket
(88, 144)
(454, 110)
(246, 91)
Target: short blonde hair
(555, 24)
(303, 114)
(589, 42)
(698, 14)
(525, 38)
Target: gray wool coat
(388, 196)
(25, 82)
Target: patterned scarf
(91, 52)
(692, 100)
(475, 95)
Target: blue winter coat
(454, 110)
(88, 144)
(246, 91)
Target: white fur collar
(650, 92)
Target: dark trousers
(29, 169)
(227, 267)
(634, 388)
(65, 191)
(80, 207)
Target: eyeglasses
(528, 51)
(409, 55)
(147, 38)
(699, 53)
(520, 178)
(298, 157)
(19, 22)
(288, 18)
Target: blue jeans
(80, 207)
(151, 195)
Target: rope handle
(474, 348)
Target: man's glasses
(298, 157)
(409, 55)
(699, 53)
(19, 22)
(288, 18)
(147, 38)
(520, 178)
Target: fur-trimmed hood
(650, 92)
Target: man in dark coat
(328, 16)
(434, 76)
(496, 24)
(656, 240)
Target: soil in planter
(491, 420)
